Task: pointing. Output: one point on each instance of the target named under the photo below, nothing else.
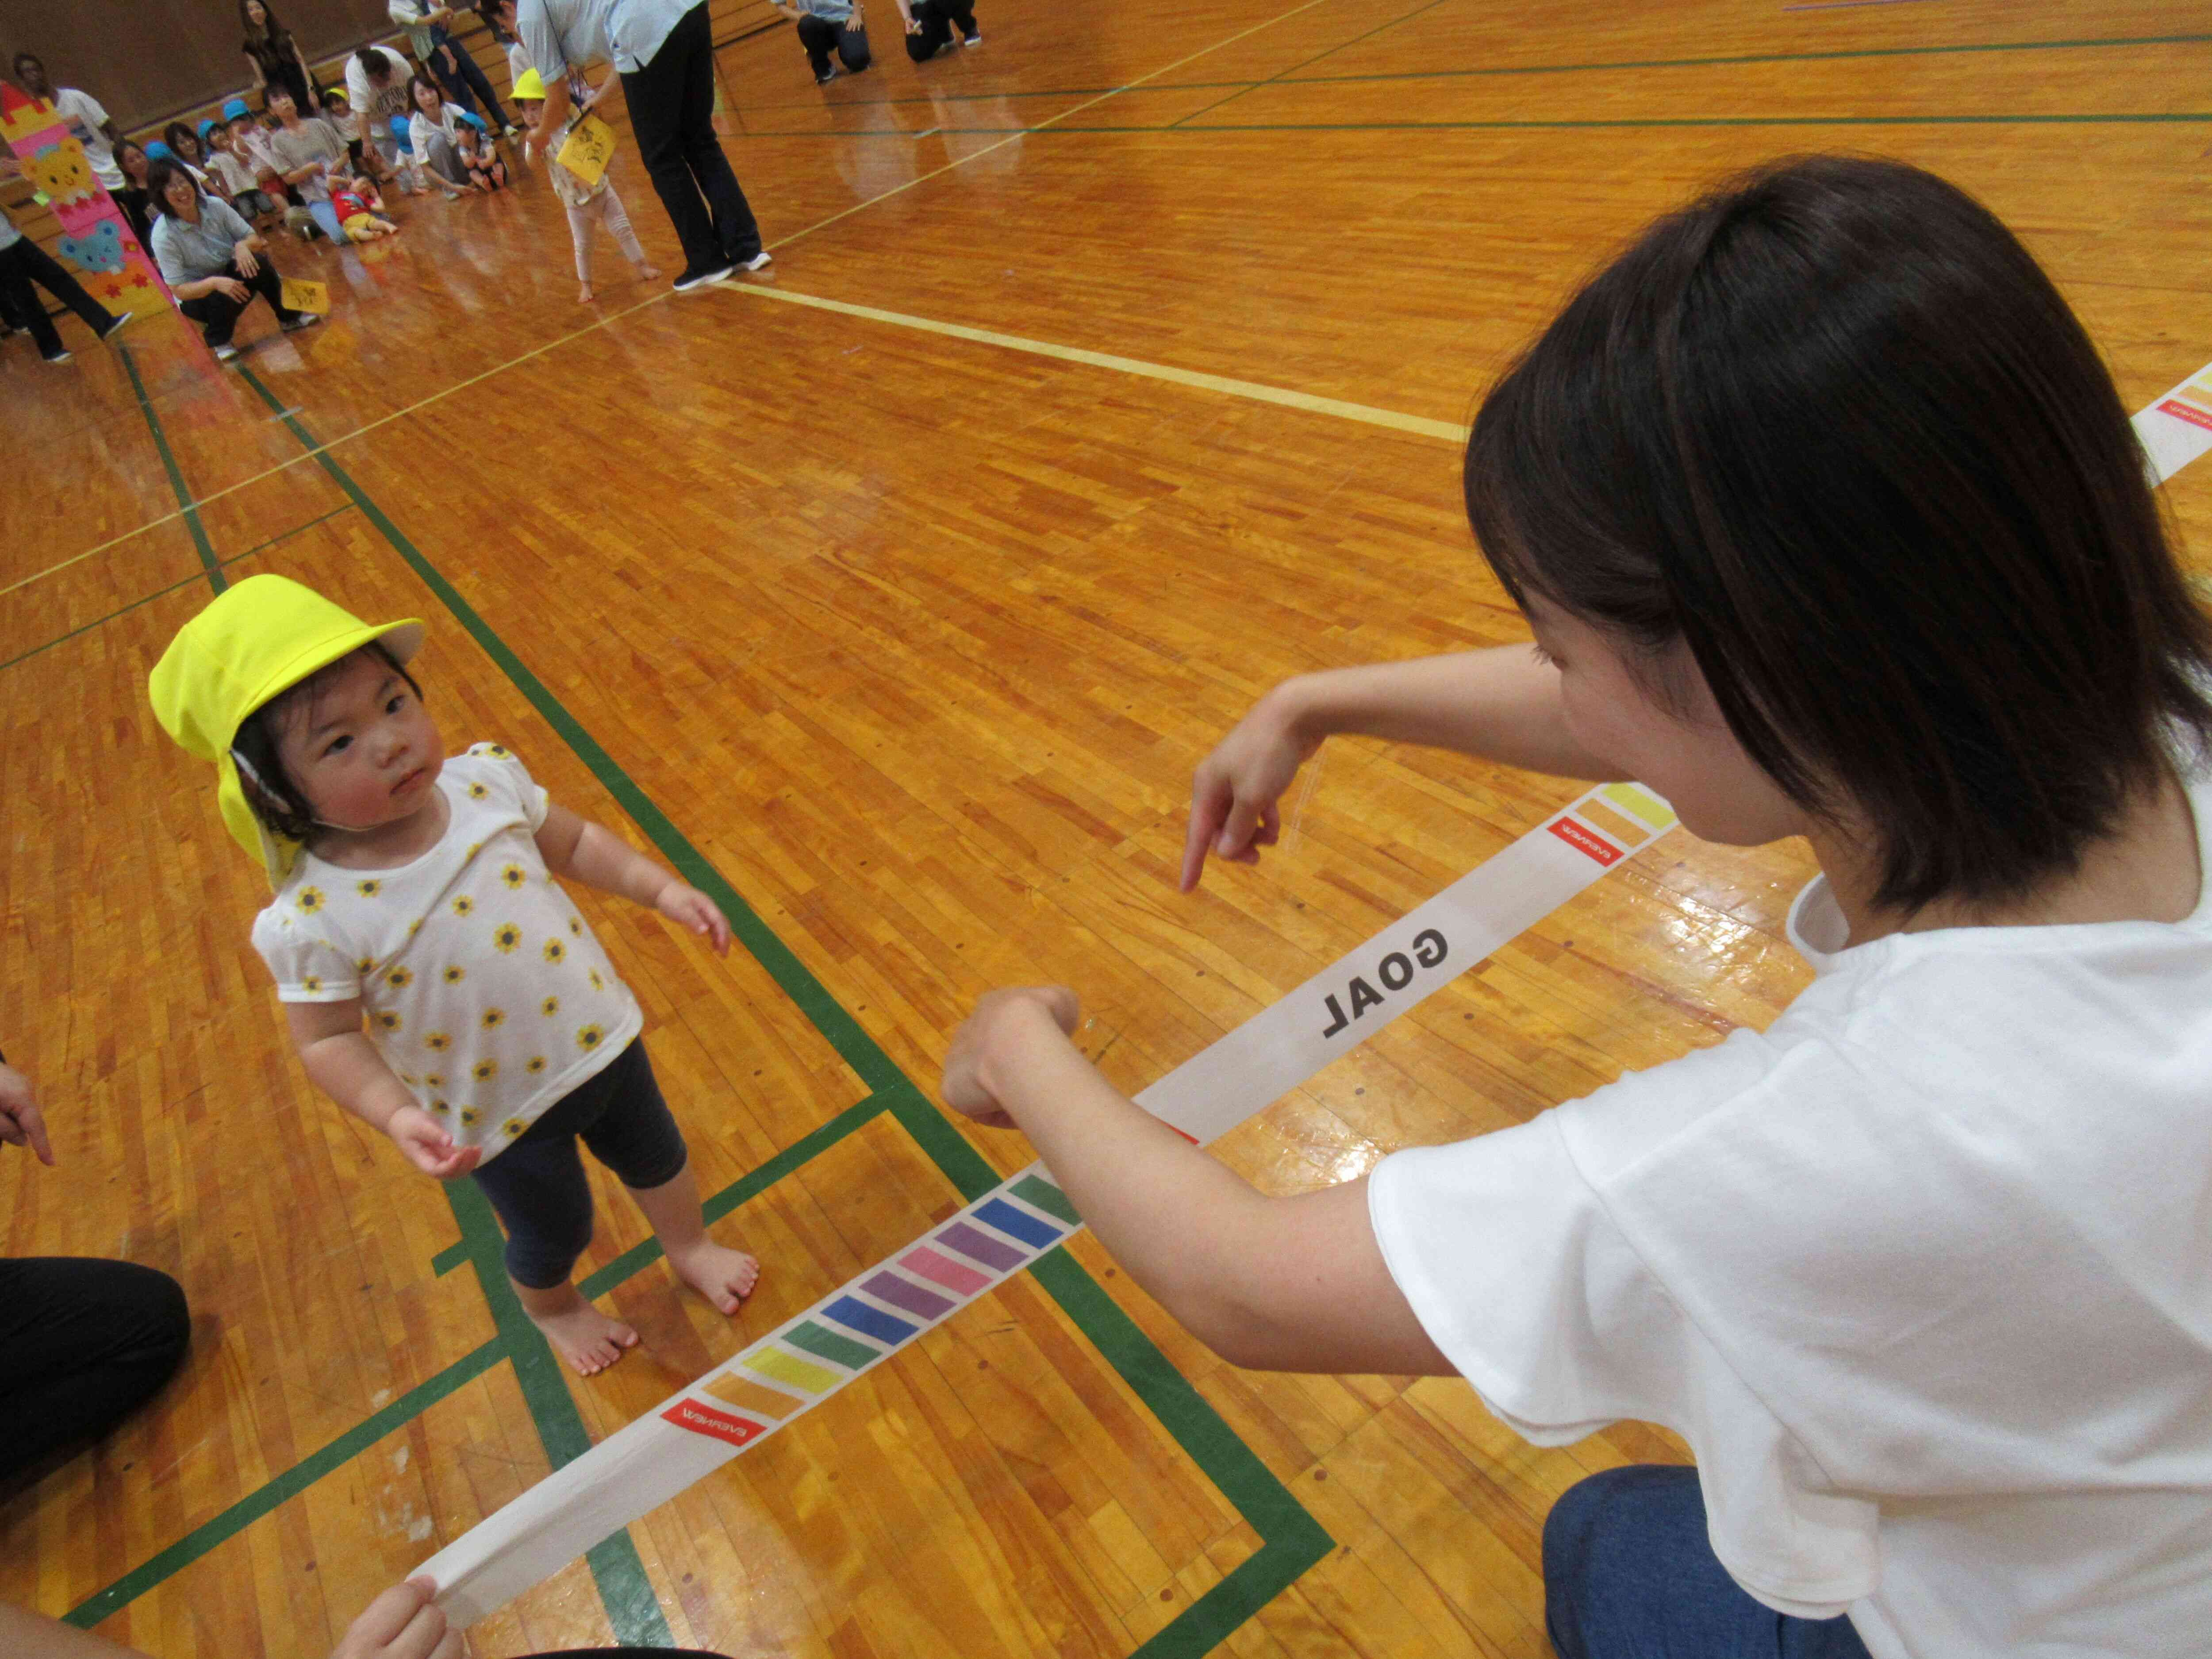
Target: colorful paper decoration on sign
(589, 147)
(95, 237)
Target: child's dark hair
(1834, 429)
(270, 790)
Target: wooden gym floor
(914, 637)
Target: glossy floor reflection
(915, 639)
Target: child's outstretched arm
(344, 1064)
(576, 848)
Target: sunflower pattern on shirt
(485, 991)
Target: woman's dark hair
(158, 171)
(276, 800)
(277, 34)
(180, 137)
(1832, 428)
(374, 64)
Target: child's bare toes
(587, 1338)
(725, 1277)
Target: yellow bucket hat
(256, 639)
(528, 84)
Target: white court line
(1258, 391)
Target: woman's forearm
(1501, 704)
(1282, 1284)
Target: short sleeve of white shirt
(309, 965)
(1508, 1256)
(87, 114)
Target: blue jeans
(1629, 1573)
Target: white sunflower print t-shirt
(485, 990)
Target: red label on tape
(2188, 412)
(700, 1418)
(1584, 840)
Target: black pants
(25, 262)
(938, 18)
(82, 1344)
(537, 1184)
(218, 314)
(465, 78)
(672, 110)
(821, 37)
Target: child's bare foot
(584, 295)
(648, 273)
(725, 1277)
(588, 1339)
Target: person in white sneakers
(214, 262)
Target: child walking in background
(585, 202)
(438, 983)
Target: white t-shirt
(85, 117)
(1924, 1274)
(485, 991)
(377, 106)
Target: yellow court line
(1128, 364)
(1448, 431)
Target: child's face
(530, 108)
(1681, 746)
(240, 127)
(363, 749)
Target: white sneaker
(759, 261)
(975, 39)
(122, 321)
(690, 281)
(60, 356)
(223, 353)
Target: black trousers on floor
(672, 110)
(938, 19)
(83, 1344)
(218, 314)
(24, 263)
(821, 37)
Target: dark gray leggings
(537, 1184)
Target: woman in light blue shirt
(214, 262)
(664, 52)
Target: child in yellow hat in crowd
(438, 983)
(585, 202)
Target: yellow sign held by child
(301, 295)
(589, 147)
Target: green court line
(633, 1609)
(1288, 79)
(294, 1480)
(163, 593)
(190, 509)
(1292, 1539)
(1426, 5)
(1771, 58)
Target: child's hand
(697, 911)
(427, 1146)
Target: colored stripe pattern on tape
(2178, 428)
(811, 1358)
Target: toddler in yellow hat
(585, 202)
(438, 983)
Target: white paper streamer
(810, 1358)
